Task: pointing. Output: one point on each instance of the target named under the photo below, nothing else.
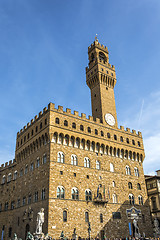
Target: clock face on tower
(110, 119)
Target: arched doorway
(27, 230)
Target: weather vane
(96, 39)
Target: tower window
(66, 123)
(65, 216)
(96, 131)
(111, 74)
(115, 137)
(139, 144)
(45, 121)
(57, 120)
(138, 186)
(89, 130)
(95, 95)
(133, 142)
(96, 109)
(121, 138)
(36, 128)
(102, 69)
(73, 125)
(40, 125)
(81, 128)
(101, 218)
(102, 57)
(108, 135)
(130, 185)
(107, 72)
(86, 217)
(127, 140)
(102, 134)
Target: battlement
(97, 44)
(36, 118)
(6, 165)
(51, 107)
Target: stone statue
(40, 221)
(156, 227)
(62, 235)
(74, 235)
(15, 237)
(136, 228)
(29, 236)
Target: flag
(97, 191)
(108, 193)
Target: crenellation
(24, 128)
(76, 113)
(51, 106)
(60, 108)
(28, 124)
(35, 118)
(44, 110)
(83, 115)
(40, 114)
(97, 120)
(139, 134)
(128, 130)
(122, 128)
(6, 164)
(68, 110)
(133, 131)
(90, 118)
(32, 121)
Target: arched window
(74, 125)
(57, 120)
(88, 195)
(32, 167)
(131, 199)
(89, 130)
(66, 123)
(111, 167)
(92, 57)
(64, 216)
(127, 140)
(101, 218)
(44, 159)
(115, 137)
(43, 193)
(114, 198)
(86, 162)
(86, 216)
(138, 186)
(60, 157)
(9, 177)
(97, 164)
(128, 170)
(15, 175)
(108, 135)
(38, 162)
(3, 179)
(140, 200)
(130, 185)
(60, 192)
(81, 128)
(75, 194)
(26, 169)
(102, 57)
(139, 144)
(74, 159)
(102, 134)
(21, 172)
(96, 131)
(133, 142)
(136, 172)
(121, 138)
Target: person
(40, 221)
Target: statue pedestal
(39, 235)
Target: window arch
(86, 162)
(138, 186)
(102, 57)
(130, 185)
(57, 120)
(136, 172)
(15, 175)
(127, 140)
(44, 158)
(73, 159)
(9, 177)
(3, 179)
(114, 197)
(102, 134)
(133, 142)
(65, 123)
(111, 167)
(74, 125)
(128, 170)
(88, 195)
(131, 199)
(75, 193)
(81, 128)
(60, 192)
(60, 157)
(108, 135)
(121, 138)
(97, 164)
(140, 200)
(115, 137)
(96, 131)
(89, 130)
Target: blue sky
(43, 55)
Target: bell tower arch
(101, 79)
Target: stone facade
(80, 170)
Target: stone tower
(101, 79)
